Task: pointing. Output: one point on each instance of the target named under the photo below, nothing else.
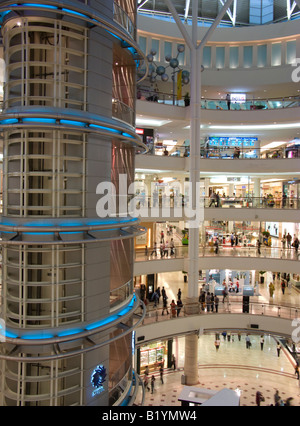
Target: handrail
(227, 153)
(182, 252)
(221, 104)
(266, 202)
(229, 307)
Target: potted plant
(262, 279)
(187, 99)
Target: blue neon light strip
(40, 5)
(71, 332)
(53, 121)
(39, 120)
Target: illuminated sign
(98, 378)
(238, 97)
(139, 131)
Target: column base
(191, 306)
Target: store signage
(232, 141)
(98, 378)
(139, 131)
(238, 97)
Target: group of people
(278, 401)
(175, 307)
(209, 301)
(288, 242)
(152, 381)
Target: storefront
(154, 355)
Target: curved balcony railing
(266, 202)
(254, 202)
(122, 18)
(233, 305)
(123, 112)
(221, 104)
(182, 252)
(225, 153)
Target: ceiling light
(151, 122)
(258, 127)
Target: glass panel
(248, 56)
(262, 55)
(207, 57)
(155, 46)
(291, 53)
(234, 57)
(220, 57)
(143, 44)
(276, 54)
(168, 48)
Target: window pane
(262, 55)
(207, 57)
(143, 44)
(168, 48)
(155, 46)
(220, 57)
(276, 54)
(291, 52)
(234, 57)
(248, 56)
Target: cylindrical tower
(69, 124)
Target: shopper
(217, 303)
(173, 309)
(296, 245)
(262, 341)
(278, 349)
(173, 362)
(277, 398)
(297, 371)
(152, 383)
(179, 306)
(228, 99)
(248, 342)
(271, 289)
(146, 382)
(217, 344)
(258, 244)
(154, 251)
(161, 372)
(259, 398)
(208, 302)
(179, 294)
(283, 285)
(289, 241)
(212, 298)
(165, 306)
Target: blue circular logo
(98, 378)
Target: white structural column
(196, 52)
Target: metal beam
(298, 3)
(187, 8)
(180, 25)
(216, 23)
(141, 4)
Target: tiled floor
(233, 366)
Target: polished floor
(233, 366)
